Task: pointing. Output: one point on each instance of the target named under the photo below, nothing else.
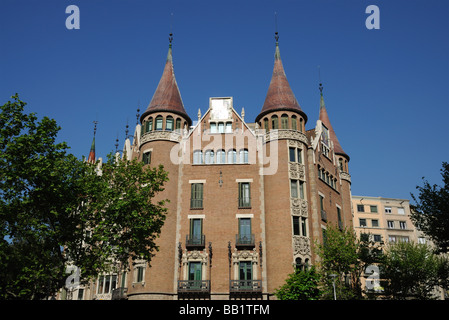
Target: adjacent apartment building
(248, 200)
(386, 219)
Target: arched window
(274, 122)
(197, 157)
(149, 125)
(301, 125)
(243, 156)
(228, 127)
(284, 121)
(221, 157)
(220, 127)
(159, 121)
(178, 124)
(294, 124)
(169, 123)
(265, 124)
(232, 156)
(209, 157)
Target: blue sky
(386, 90)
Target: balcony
(190, 289)
(244, 240)
(120, 294)
(245, 288)
(195, 241)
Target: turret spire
(91, 157)
(324, 117)
(280, 96)
(167, 96)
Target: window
(196, 231)
(360, 208)
(220, 127)
(377, 237)
(387, 209)
(292, 154)
(169, 123)
(196, 196)
(265, 124)
(228, 127)
(146, 157)
(244, 195)
(221, 157)
(299, 226)
(296, 227)
(80, 294)
(340, 222)
(213, 127)
(178, 124)
(284, 121)
(245, 273)
(402, 225)
(294, 188)
(159, 121)
(401, 211)
(195, 274)
(232, 156)
(295, 155)
(299, 155)
(106, 283)
(294, 126)
(243, 156)
(362, 222)
(325, 136)
(209, 157)
(274, 122)
(375, 223)
(373, 209)
(390, 224)
(197, 157)
(245, 237)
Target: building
(386, 219)
(248, 200)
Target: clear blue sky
(386, 90)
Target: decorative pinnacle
(321, 88)
(95, 127)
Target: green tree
(300, 285)
(339, 255)
(431, 213)
(411, 271)
(56, 209)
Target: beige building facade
(386, 219)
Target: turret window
(146, 157)
(294, 126)
(178, 124)
(169, 123)
(265, 124)
(284, 121)
(274, 122)
(159, 122)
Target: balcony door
(195, 275)
(196, 230)
(245, 230)
(245, 274)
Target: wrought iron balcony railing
(245, 286)
(193, 286)
(196, 241)
(244, 240)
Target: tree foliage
(431, 213)
(55, 208)
(300, 285)
(411, 271)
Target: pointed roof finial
(276, 34)
(319, 78)
(170, 36)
